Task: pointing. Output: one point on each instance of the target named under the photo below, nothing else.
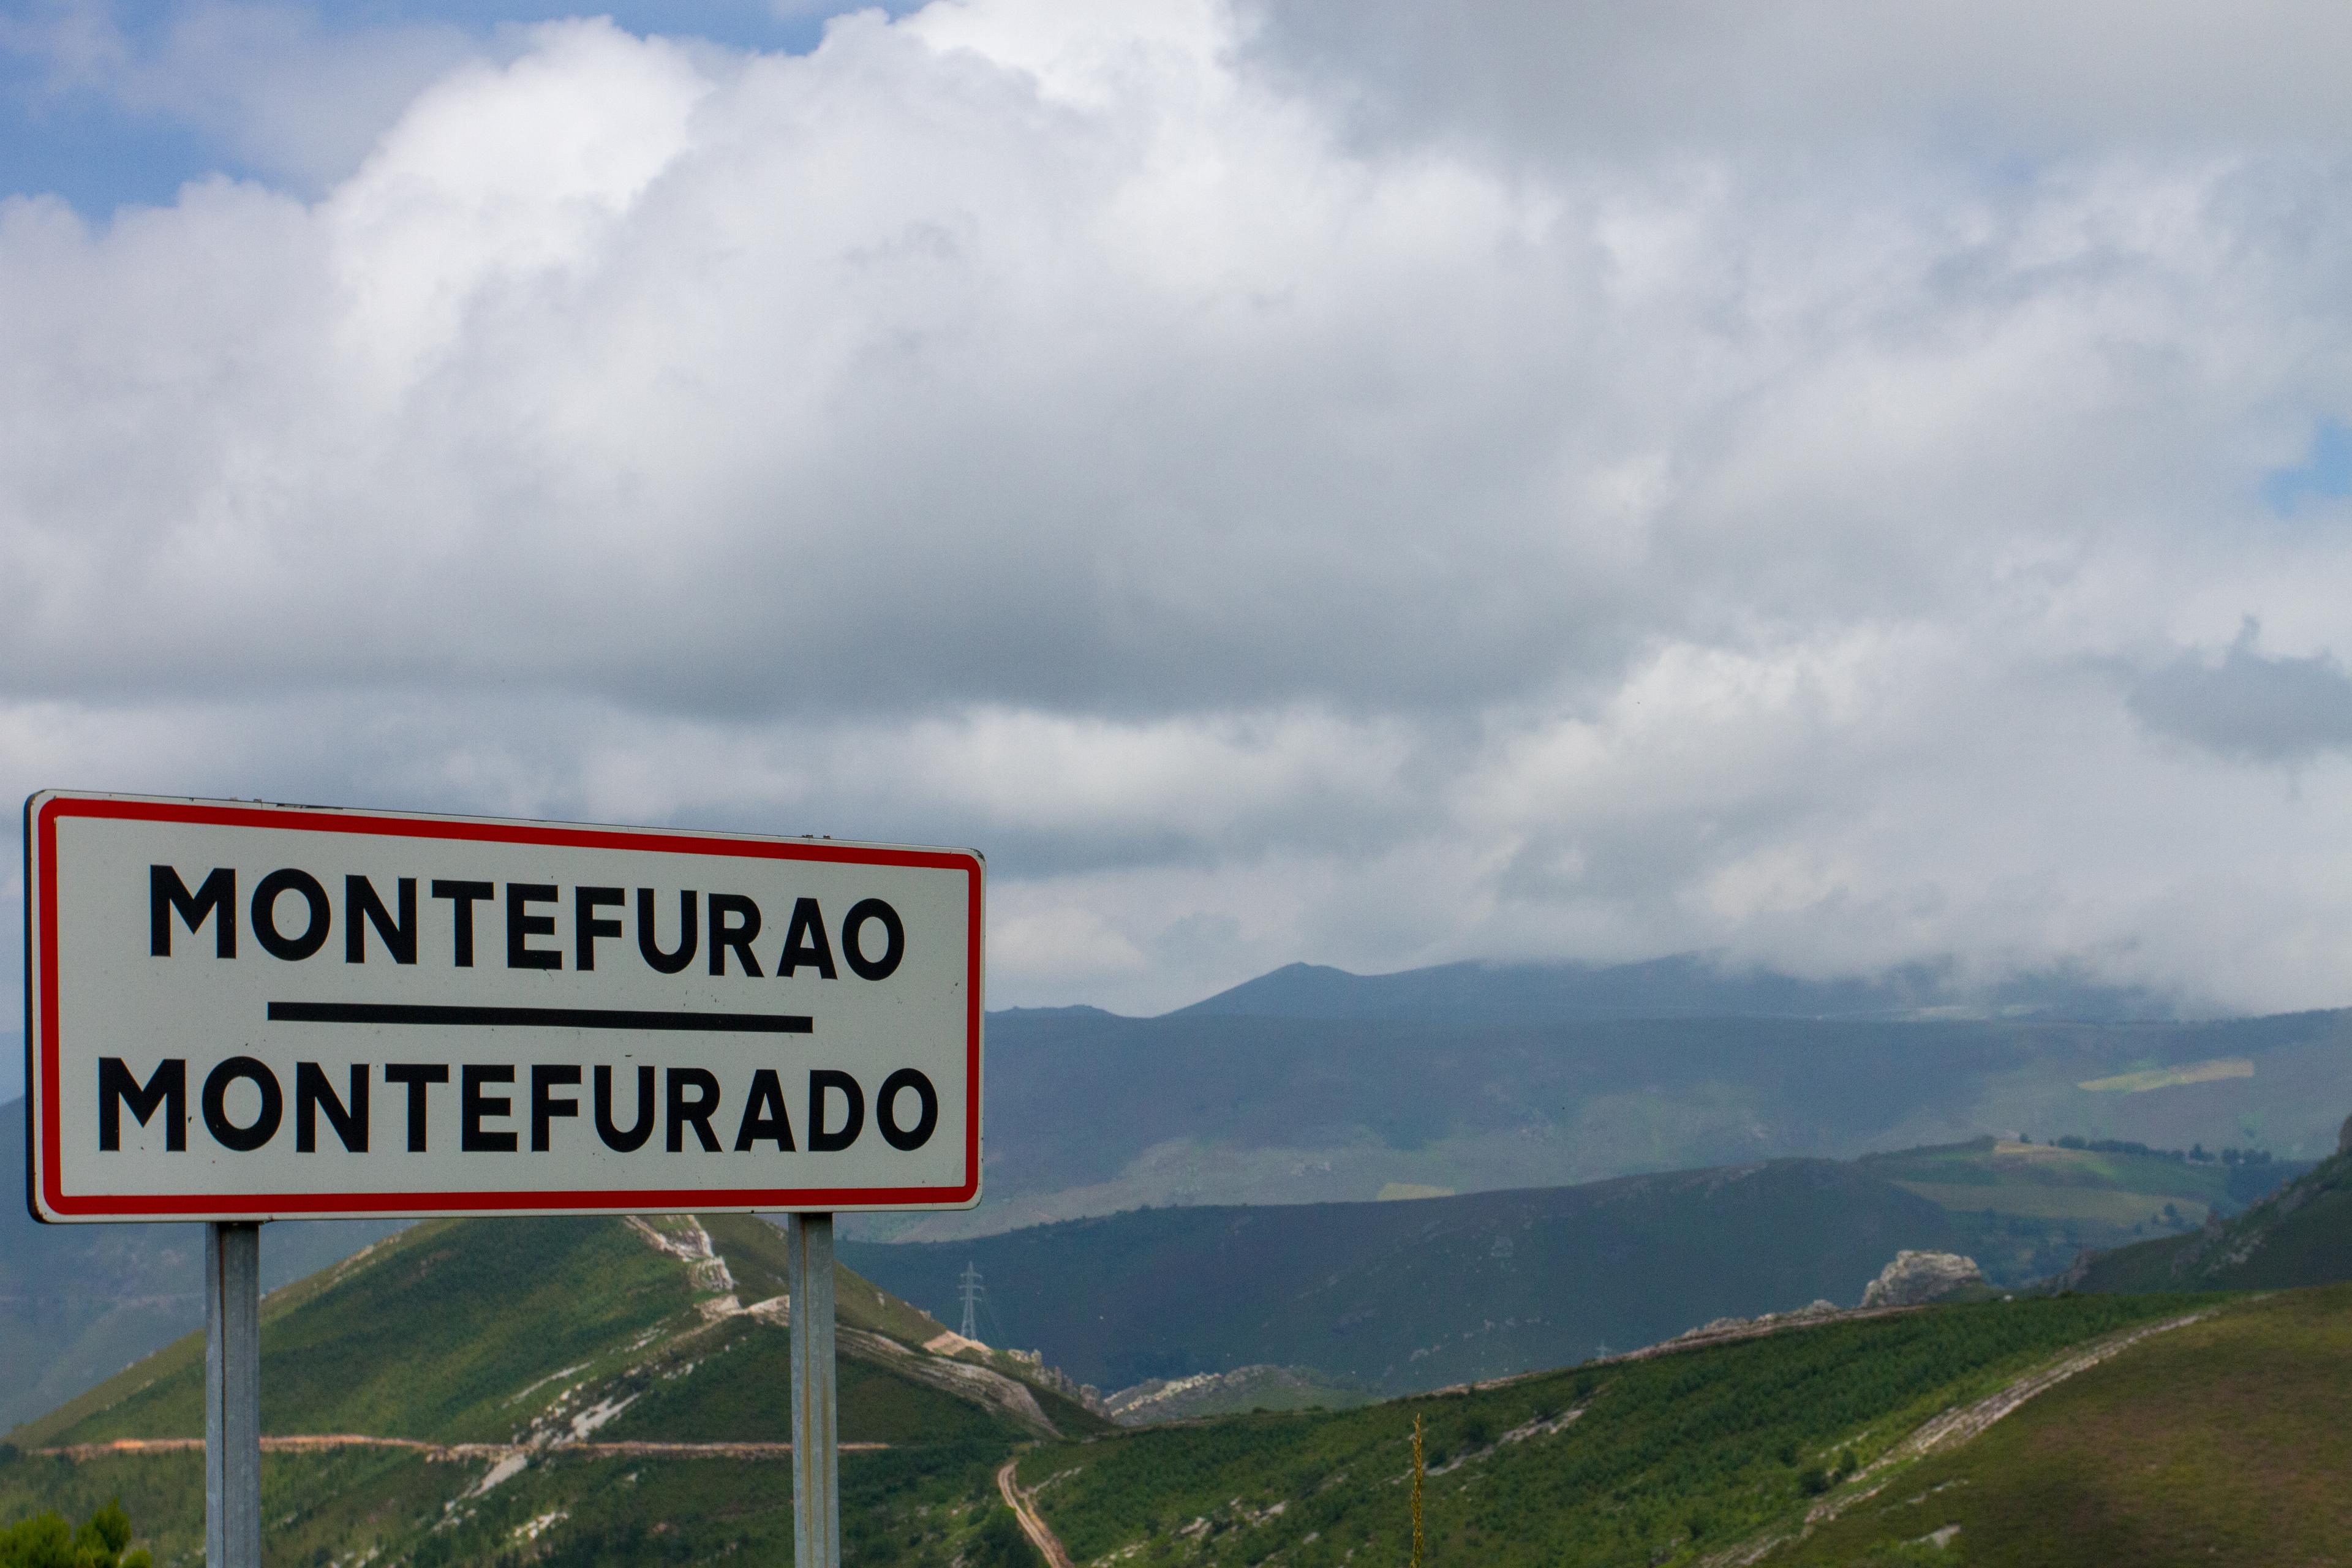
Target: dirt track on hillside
(1033, 1523)
(1951, 1429)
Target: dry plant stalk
(1416, 1492)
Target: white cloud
(1275, 511)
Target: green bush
(1000, 1544)
(47, 1541)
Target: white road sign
(238, 1011)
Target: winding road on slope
(1033, 1523)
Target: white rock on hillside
(1916, 1277)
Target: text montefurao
(292, 918)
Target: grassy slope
(754, 1250)
(2025, 1210)
(475, 1331)
(1670, 1458)
(437, 1332)
(427, 1335)
(918, 1507)
(1669, 1461)
(2221, 1442)
(1423, 1293)
(79, 1302)
(309, 1503)
(2301, 1235)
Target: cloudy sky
(1831, 483)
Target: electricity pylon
(969, 1288)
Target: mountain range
(1088, 1113)
(574, 1392)
(1685, 985)
(1313, 1086)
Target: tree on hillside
(997, 1543)
(47, 1540)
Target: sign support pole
(816, 1454)
(232, 1394)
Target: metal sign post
(816, 1465)
(239, 1012)
(232, 1396)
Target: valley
(578, 1392)
(1413, 1294)
(1202, 1383)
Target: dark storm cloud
(2248, 705)
(1997, 79)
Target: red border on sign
(41, 933)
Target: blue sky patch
(67, 134)
(2327, 471)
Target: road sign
(242, 1012)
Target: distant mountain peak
(1681, 985)
(1075, 1010)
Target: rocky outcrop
(2077, 1272)
(1726, 1328)
(1060, 1381)
(2221, 1247)
(1213, 1394)
(981, 1385)
(1915, 1278)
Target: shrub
(999, 1543)
(47, 1541)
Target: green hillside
(2220, 1442)
(342, 1351)
(81, 1303)
(590, 1363)
(1658, 1462)
(2301, 1235)
(598, 1362)
(2024, 1211)
(2049, 1433)
(1398, 1297)
(924, 1508)
(1416, 1293)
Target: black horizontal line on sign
(536, 1017)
